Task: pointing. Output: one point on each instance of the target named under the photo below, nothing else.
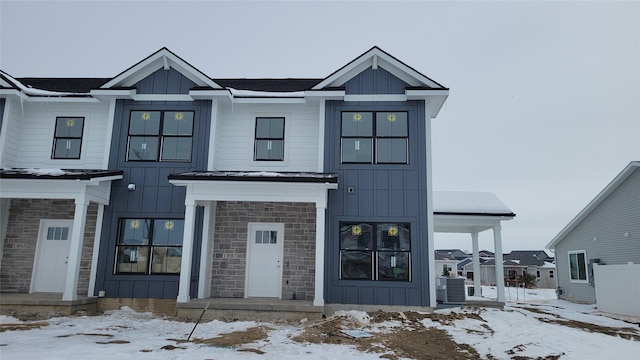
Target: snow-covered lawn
(541, 327)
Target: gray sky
(544, 107)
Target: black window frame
(258, 139)
(160, 135)
(149, 246)
(57, 137)
(375, 136)
(374, 248)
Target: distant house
(446, 264)
(606, 231)
(515, 264)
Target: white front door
(264, 260)
(52, 255)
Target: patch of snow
(37, 92)
(468, 202)
(275, 94)
(52, 172)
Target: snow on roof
(37, 92)
(254, 93)
(466, 202)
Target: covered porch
(52, 237)
(243, 190)
(472, 213)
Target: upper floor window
(149, 246)
(578, 266)
(375, 251)
(374, 138)
(67, 140)
(160, 136)
(269, 140)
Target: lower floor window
(149, 246)
(375, 251)
(578, 265)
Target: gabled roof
(375, 57)
(74, 85)
(608, 190)
(162, 58)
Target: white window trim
(586, 269)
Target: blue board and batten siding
(154, 196)
(381, 193)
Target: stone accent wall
(230, 246)
(21, 240)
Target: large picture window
(375, 251)
(67, 140)
(160, 136)
(374, 137)
(269, 140)
(149, 246)
(578, 265)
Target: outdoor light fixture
(131, 187)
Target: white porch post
(187, 251)
(497, 240)
(75, 252)
(476, 264)
(319, 275)
(96, 250)
(204, 282)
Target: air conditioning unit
(450, 290)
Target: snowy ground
(540, 327)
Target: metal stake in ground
(197, 322)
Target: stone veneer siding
(22, 228)
(230, 246)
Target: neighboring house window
(375, 251)
(551, 274)
(537, 273)
(149, 246)
(446, 269)
(374, 138)
(269, 140)
(578, 265)
(67, 139)
(511, 274)
(160, 136)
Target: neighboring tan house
(165, 183)
(606, 231)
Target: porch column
(204, 280)
(187, 251)
(75, 250)
(96, 251)
(497, 241)
(476, 264)
(319, 275)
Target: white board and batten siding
(37, 128)
(235, 134)
(611, 233)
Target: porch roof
(62, 174)
(468, 212)
(309, 177)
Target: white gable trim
(164, 59)
(613, 185)
(376, 58)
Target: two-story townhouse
(313, 189)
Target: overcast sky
(544, 107)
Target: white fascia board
(325, 94)
(267, 191)
(13, 92)
(106, 94)
(375, 97)
(268, 100)
(210, 94)
(162, 97)
(466, 223)
(424, 93)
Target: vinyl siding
(37, 127)
(11, 132)
(616, 215)
(235, 137)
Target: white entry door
(264, 260)
(52, 256)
